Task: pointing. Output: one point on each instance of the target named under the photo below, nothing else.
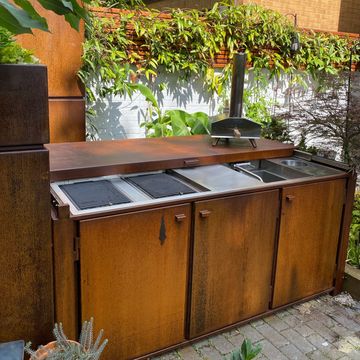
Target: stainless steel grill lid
(233, 125)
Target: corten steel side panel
(26, 286)
(67, 120)
(134, 279)
(345, 228)
(23, 105)
(232, 259)
(87, 159)
(308, 240)
(60, 50)
(65, 272)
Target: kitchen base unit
(137, 265)
(234, 240)
(182, 240)
(308, 240)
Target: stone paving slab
(324, 328)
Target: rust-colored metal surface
(308, 240)
(23, 113)
(67, 120)
(232, 259)
(65, 271)
(60, 50)
(26, 286)
(134, 279)
(87, 159)
(344, 237)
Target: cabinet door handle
(205, 213)
(180, 217)
(290, 198)
(191, 162)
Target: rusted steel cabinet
(26, 287)
(234, 243)
(26, 303)
(133, 271)
(308, 240)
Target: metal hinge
(76, 248)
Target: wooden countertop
(98, 158)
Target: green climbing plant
(187, 42)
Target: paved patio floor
(324, 328)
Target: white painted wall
(119, 117)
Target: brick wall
(330, 15)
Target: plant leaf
(73, 20)
(17, 20)
(178, 122)
(60, 7)
(201, 123)
(146, 92)
(27, 6)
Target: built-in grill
(233, 125)
(160, 185)
(93, 194)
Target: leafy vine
(133, 44)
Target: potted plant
(64, 349)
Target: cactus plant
(64, 349)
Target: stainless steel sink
(267, 176)
(269, 171)
(295, 163)
(297, 167)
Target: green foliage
(121, 4)
(172, 122)
(275, 129)
(303, 147)
(21, 17)
(86, 349)
(257, 106)
(12, 53)
(246, 352)
(187, 42)
(353, 257)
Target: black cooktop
(160, 185)
(92, 194)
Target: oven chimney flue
(237, 85)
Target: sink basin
(293, 167)
(295, 163)
(267, 176)
(278, 170)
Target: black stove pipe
(237, 85)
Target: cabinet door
(308, 240)
(133, 278)
(233, 259)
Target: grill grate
(160, 185)
(92, 194)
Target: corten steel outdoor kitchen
(165, 241)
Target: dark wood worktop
(99, 158)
